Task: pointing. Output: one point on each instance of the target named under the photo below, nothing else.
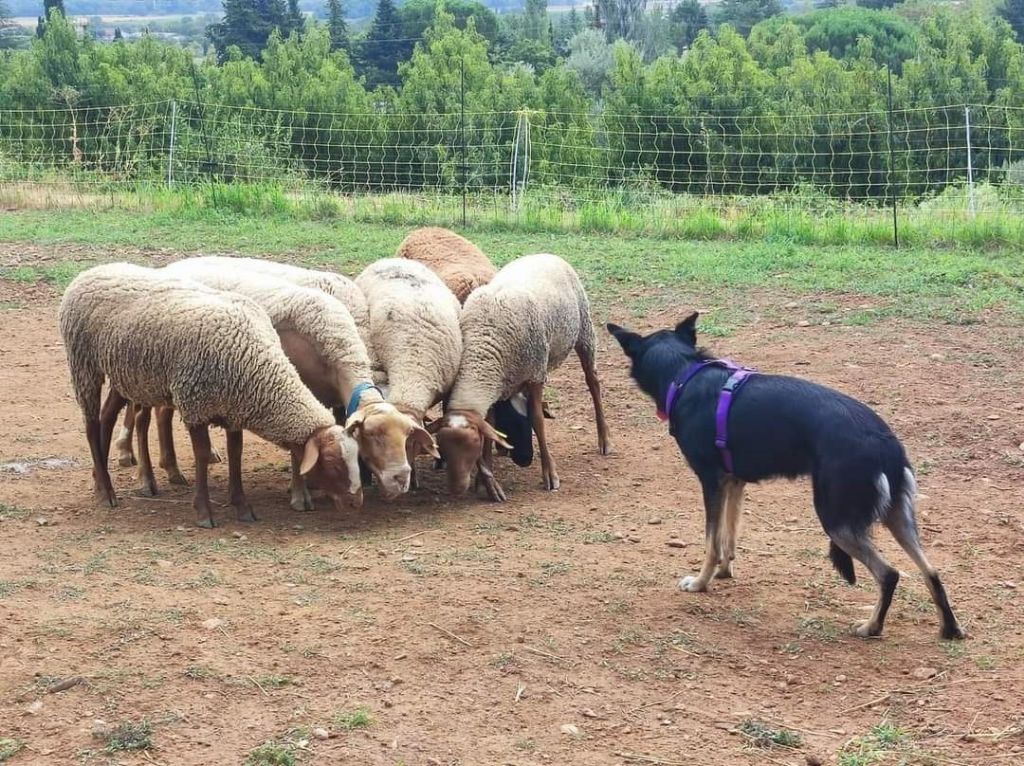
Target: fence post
(520, 168)
(970, 168)
(462, 130)
(170, 153)
(888, 174)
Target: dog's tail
(842, 562)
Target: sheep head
(389, 440)
(461, 435)
(331, 458)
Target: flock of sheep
(341, 373)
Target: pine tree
(536, 26)
(48, 7)
(381, 49)
(336, 25)
(295, 20)
(742, 15)
(1013, 12)
(248, 25)
(687, 20)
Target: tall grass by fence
(952, 166)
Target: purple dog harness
(725, 396)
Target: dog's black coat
(780, 426)
(518, 430)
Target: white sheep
(163, 341)
(414, 333)
(319, 336)
(515, 330)
(336, 285)
(458, 262)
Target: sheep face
(331, 458)
(461, 435)
(389, 442)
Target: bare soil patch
(546, 630)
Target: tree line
(615, 95)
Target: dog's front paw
(692, 584)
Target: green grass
(9, 748)
(130, 735)
(873, 747)
(761, 735)
(272, 754)
(349, 720)
(953, 283)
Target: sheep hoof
(215, 456)
(126, 460)
(606, 449)
(302, 504)
(205, 523)
(146, 489)
(551, 483)
(245, 513)
(176, 477)
(494, 490)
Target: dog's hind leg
(714, 497)
(730, 529)
(900, 521)
(859, 546)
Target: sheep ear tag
(661, 416)
(309, 456)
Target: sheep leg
(236, 494)
(411, 452)
(168, 456)
(123, 442)
(586, 356)
(536, 404)
(108, 418)
(200, 436)
(100, 474)
(144, 472)
(301, 500)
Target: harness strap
(725, 397)
(357, 393)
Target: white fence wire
(960, 157)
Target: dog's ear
(629, 341)
(687, 329)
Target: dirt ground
(546, 630)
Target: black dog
(735, 427)
(511, 419)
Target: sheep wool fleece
(164, 341)
(519, 327)
(324, 321)
(336, 285)
(414, 330)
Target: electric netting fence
(957, 158)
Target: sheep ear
(518, 402)
(424, 441)
(355, 422)
(687, 329)
(629, 341)
(494, 435)
(310, 455)
(435, 425)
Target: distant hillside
(353, 8)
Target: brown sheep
(460, 264)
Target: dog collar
(353, 402)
